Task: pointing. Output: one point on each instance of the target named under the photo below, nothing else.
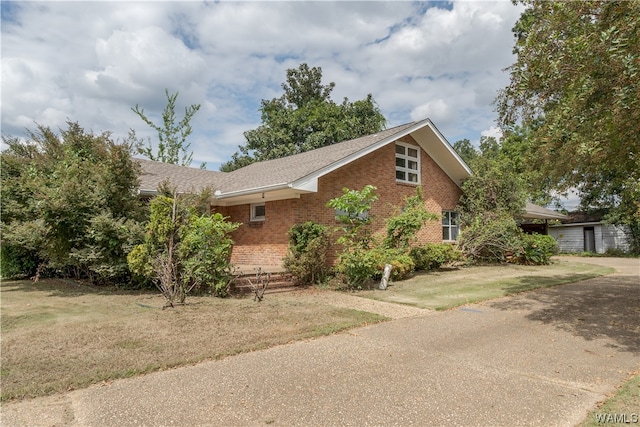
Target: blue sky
(92, 61)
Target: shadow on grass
(604, 307)
(68, 288)
(529, 283)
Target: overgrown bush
(70, 201)
(615, 252)
(185, 248)
(361, 267)
(537, 249)
(434, 255)
(307, 257)
(363, 260)
(358, 267)
(17, 262)
(205, 249)
(402, 265)
(491, 238)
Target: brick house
(269, 197)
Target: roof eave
(250, 191)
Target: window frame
(447, 224)
(406, 158)
(254, 217)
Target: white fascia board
(269, 196)
(250, 191)
(307, 186)
(449, 147)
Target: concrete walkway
(539, 358)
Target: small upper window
(450, 228)
(257, 212)
(407, 163)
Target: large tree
(305, 118)
(172, 134)
(496, 186)
(69, 203)
(574, 88)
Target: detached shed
(587, 233)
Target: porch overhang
(532, 211)
(269, 193)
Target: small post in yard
(385, 276)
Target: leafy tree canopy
(172, 134)
(69, 203)
(497, 186)
(466, 150)
(574, 88)
(305, 118)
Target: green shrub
(358, 267)
(184, 249)
(434, 255)
(615, 252)
(537, 249)
(307, 257)
(17, 262)
(354, 207)
(401, 267)
(362, 267)
(205, 249)
(401, 263)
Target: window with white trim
(407, 163)
(258, 212)
(450, 227)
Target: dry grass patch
(58, 335)
(441, 290)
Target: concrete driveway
(540, 358)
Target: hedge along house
(269, 197)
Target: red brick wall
(261, 242)
(267, 243)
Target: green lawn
(441, 290)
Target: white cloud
(92, 61)
(134, 63)
(436, 109)
(494, 132)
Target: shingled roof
(289, 169)
(284, 177)
(185, 179)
